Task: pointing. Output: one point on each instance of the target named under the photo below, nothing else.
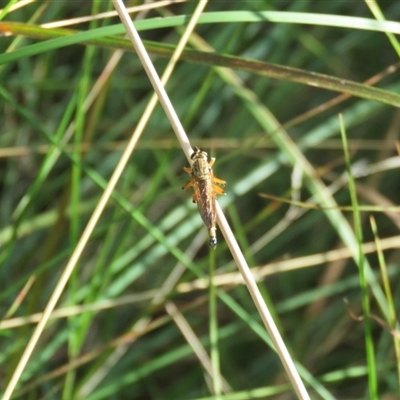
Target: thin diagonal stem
(225, 228)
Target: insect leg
(188, 185)
(217, 180)
(218, 189)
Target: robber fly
(206, 188)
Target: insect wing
(206, 202)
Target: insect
(206, 188)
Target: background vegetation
(135, 320)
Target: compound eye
(195, 153)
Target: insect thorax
(200, 167)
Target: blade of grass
(392, 320)
(77, 336)
(110, 14)
(378, 14)
(372, 381)
(196, 345)
(340, 21)
(18, 300)
(215, 360)
(66, 37)
(7, 8)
